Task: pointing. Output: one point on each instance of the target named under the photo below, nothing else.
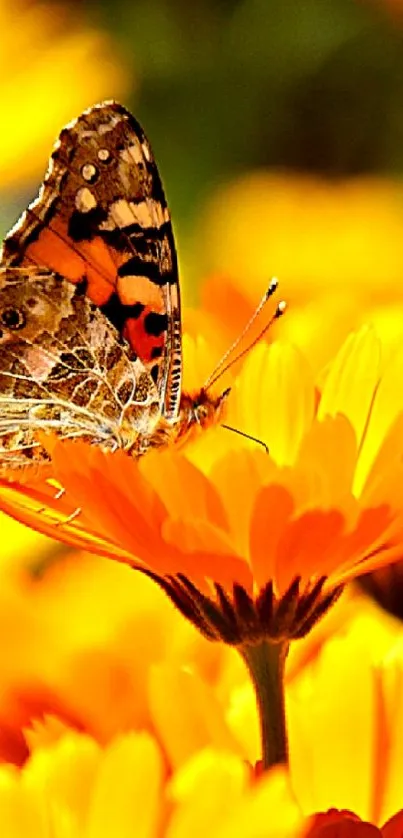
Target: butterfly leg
(59, 494)
(69, 518)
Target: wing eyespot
(13, 318)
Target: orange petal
(270, 517)
(307, 545)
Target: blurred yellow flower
(345, 717)
(335, 246)
(63, 66)
(75, 788)
(94, 646)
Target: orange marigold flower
(252, 547)
(258, 530)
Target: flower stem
(266, 663)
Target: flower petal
(352, 379)
(275, 382)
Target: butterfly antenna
(247, 436)
(227, 361)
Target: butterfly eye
(13, 318)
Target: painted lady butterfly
(90, 324)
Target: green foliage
(227, 85)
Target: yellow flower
(62, 67)
(76, 789)
(345, 714)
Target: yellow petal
(127, 791)
(186, 714)
(387, 405)
(352, 379)
(274, 399)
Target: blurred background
(277, 126)
(278, 130)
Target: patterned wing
(64, 369)
(101, 220)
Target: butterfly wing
(64, 369)
(101, 220)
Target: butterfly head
(201, 409)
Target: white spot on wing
(146, 214)
(85, 200)
(89, 171)
(133, 153)
(174, 297)
(104, 154)
(146, 151)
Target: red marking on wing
(140, 340)
(96, 262)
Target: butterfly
(90, 316)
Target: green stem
(266, 663)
